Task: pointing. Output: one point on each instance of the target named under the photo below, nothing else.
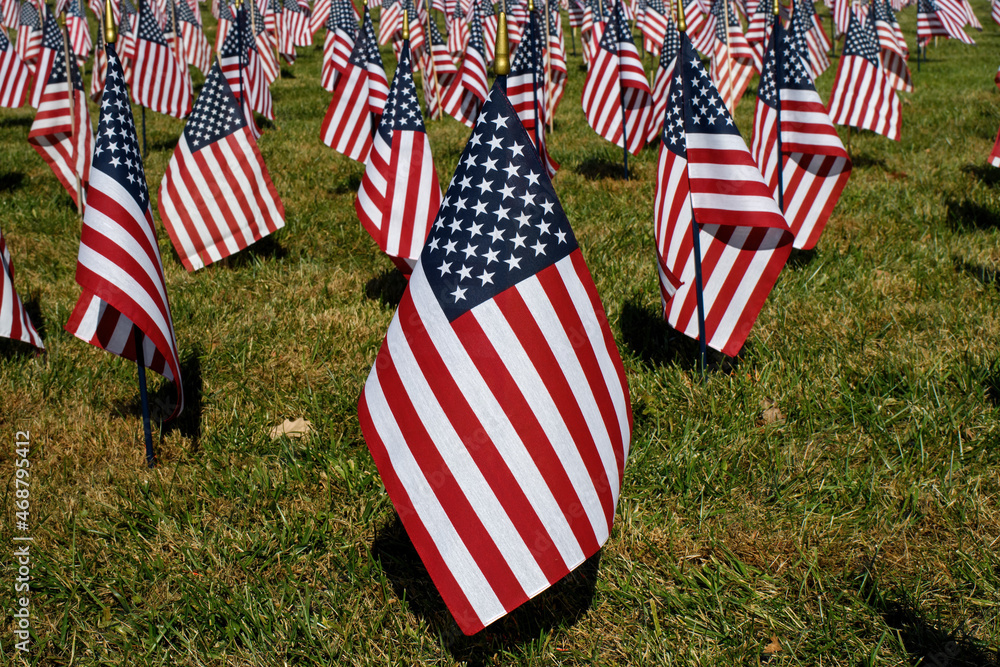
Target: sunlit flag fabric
(661, 82)
(497, 411)
(759, 31)
(732, 62)
(655, 17)
(197, 50)
(390, 21)
(119, 266)
(892, 47)
(266, 55)
(10, 13)
(616, 98)
(841, 11)
(862, 95)
(341, 31)
(458, 31)
(707, 177)
(465, 96)
(526, 88)
(79, 30)
(933, 22)
(159, 82)
(217, 197)
(801, 30)
(14, 320)
(400, 193)
(29, 36)
(557, 62)
(61, 132)
(14, 75)
(995, 11)
(240, 61)
(294, 29)
(360, 94)
(815, 167)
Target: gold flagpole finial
(62, 21)
(110, 31)
(681, 21)
(406, 24)
(777, 7)
(531, 5)
(501, 64)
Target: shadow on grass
(559, 606)
(287, 73)
(800, 259)
(257, 253)
(963, 214)
(349, 185)
(926, 642)
(13, 180)
(11, 349)
(656, 343)
(162, 401)
(600, 168)
(386, 288)
(16, 122)
(984, 173)
(864, 160)
(985, 275)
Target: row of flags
(497, 409)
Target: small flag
(14, 320)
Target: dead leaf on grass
(772, 413)
(773, 647)
(293, 429)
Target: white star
(523, 219)
(497, 234)
(486, 277)
(511, 170)
(115, 162)
(460, 204)
(513, 262)
(495, 143)
(470, 161)
(469, 250)
(484, 185)
(516, 148)
(507, 192)
(456, 225)
(491, 256)
(532, 178)
(490, 165)
(561, 236)
(465, 272)
(519, 240)
(539, 248)
(475, 230)
(543, 228)
(480, 208)
(499, 121)
(503, 213)
(459, 294)
(433, 244)
(475, 140)
(466, 181)
(445, 268)
(528, 198)
(449, 247)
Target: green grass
(857, 525)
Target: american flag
(294, 29)
(390, 20)
(127, 29)
(14, 320)
(79, 30)
(816, 35)
(616, 97)
(862, 95)
(933, 22)
(159, 80)
(517, 14)
(319, 15)
(995, 11)
(98, 72)
(655, 17)
(489, 22)
(574, 12)
(707, 179)
(61, 132)
(10, 13)
(801, 28)
(458, 31)
(240, 61)
(497, 411)
(266, 45)
(360, 94)
(444, 64)
(29, 37)
(216, 197)
(341, 31)
(119, 266)
(995, 153)
(197, 50)
(227, 20)
(842, 10)
(661, 82)
(892, 46)
(526, 89)
(14, 75)
(732, 62)
(438, 70)
(556, 53)
(814, 165)
(759, 31)
(399, 193)
(464, 98)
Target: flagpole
(430, 51)
(699, 289)
(177, 37)
(548, 67)
(534, 87)
(779, 76)
(572, 42)
(729, 58)
(72, 114)
(244, 95)
(501, 51)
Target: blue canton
(671, 45)
(435, 37)
(184, 13)
(29, 16)
(500, 221)
(615, 31)
(794, 75)
(861, 41)
(116, 149)
(703, 110)
(476, 29)
(402, 111)
(800, 25)
(528, 56)
(342, 16)
(370, 41)
(216, 114)
(149, 29)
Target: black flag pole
(779, 76)
(532, 25)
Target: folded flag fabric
(14, 321)
(216, 197)
(497, 410)
(14, 75)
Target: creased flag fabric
(61, 132)
(400, 194)
(458, 31)
(526, 89)
(79, 30)
(814, 165)
(196, 48)
(216, 197)
(661, 82)
(341, 32)
(29, 35)
(14, 321)
(159, 82)
(862, 95)
(119, 266)
(732, 61)
(556, 54)
(616, 97)
(14, 75)
(892, 47)
(933, 21)
(463, 99)
(707, 178)
(497, 411)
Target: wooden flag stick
(72, 114)
(433, 72)
(699, 289)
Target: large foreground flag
(119, 266)
(14, 320)
(616, 97)
(497, 410)
(707, 179)
(217, 197)
(400, 194)
(814, 165)
(61, 132)
(862, 95)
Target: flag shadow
(656, 343)
(963, 214)
(13, 349)
(601, 168)
(387, 288)
(561, 605)
(257, 252)
(24, 121)
(13, 180)
(985, 275)
(162, 401)
(986, 174)
(926, 643)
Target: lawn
(831, 496)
